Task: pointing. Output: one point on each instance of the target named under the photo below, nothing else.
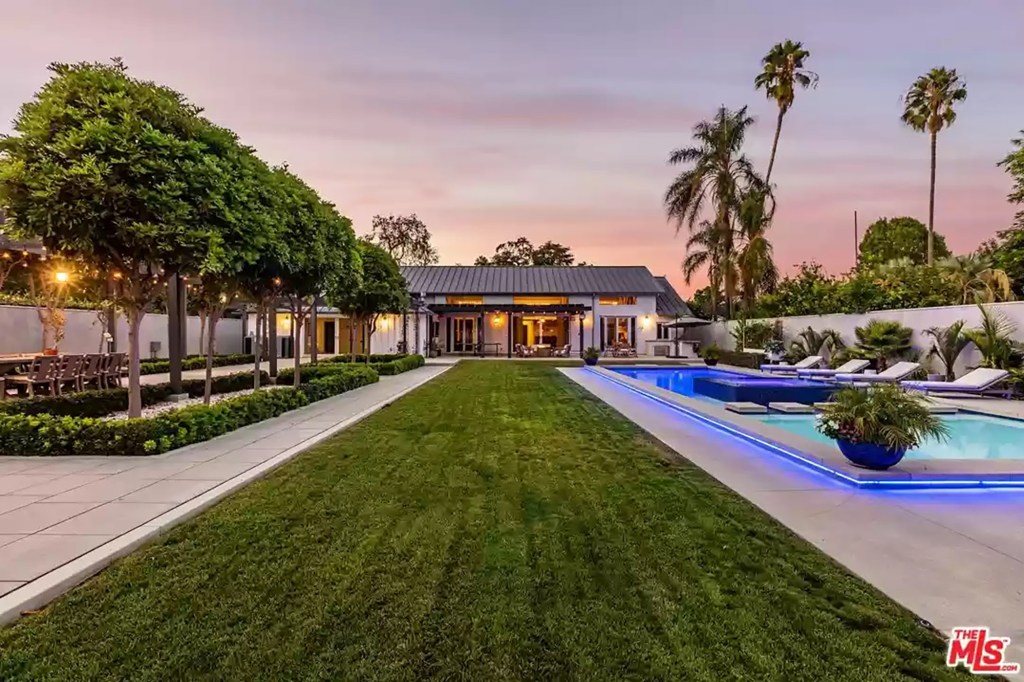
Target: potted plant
(774, 349)
(590, 356)
(874, 428)
(711, 354)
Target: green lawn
(498, 523)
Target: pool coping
(826, 458)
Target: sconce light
(496, 320)
(384, 322)
(646, 322)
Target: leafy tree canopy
(405, 238)
(521, 252)
(381, 289)
(1014, 165)
(889, 239)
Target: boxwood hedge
(196, 362)
(400, 363)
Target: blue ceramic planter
(590, 361)
(869, 455)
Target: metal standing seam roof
(670, 303)
(485, 279)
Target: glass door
(464, 335)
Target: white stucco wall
(917, 319)
(21, 332)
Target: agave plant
(882, 341)
(947, 344)
(993, 339)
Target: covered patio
(496, 329)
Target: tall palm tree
(782, 71)
(703, 250)
(754, 261)
(717, 176)
(928, 107)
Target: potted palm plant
(874, 428)
(948, 343)
(711, 354)
(590, 356)
(774, 349)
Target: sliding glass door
(463, 335)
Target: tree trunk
(352, 338)
(208, 388)
(775, 146)
(371, 327)
(134, 315)
(256, 348)
(297, 327)
(931, 206)
(202, 332)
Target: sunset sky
(553, 120)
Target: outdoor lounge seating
(980, 381)
(807, 363)
(848, 367)
(522, 351)
(898, 372)
(563, 352)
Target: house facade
(485, 310)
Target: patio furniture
(522, 351)
(112, 373)
(807, 363)
(563, 352)
(980, 381)
(92, 370)
(15, 361)
(481, 348)
(42, 372)
(898, 372)
(848, 367)
(624, 351)
(69, 371)
(542, 352)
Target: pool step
(746, 408)
(791, 408)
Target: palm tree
(757, 270)
(928, 107)
(977, 279)
(704, 249)
(948, 343)
(782, 71)
(718, 175)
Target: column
(174, 304)
(508, 319)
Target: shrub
(882, 341)
(712, 352)
(196, 362)
(738, 359)
(102, 402)
(884, 415)
(51, 435)
(403, 363)
(374, 357)
(400, 365)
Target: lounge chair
(978, 381)
(563, 352)
(807, 363)
(898, 372)
(848, 367)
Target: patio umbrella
(682, 322)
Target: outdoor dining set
(54, 374)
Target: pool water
(718, 386)
(971, 436)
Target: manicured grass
(499, 523)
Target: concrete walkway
(952, 557)
(282, 363)
(63, 519)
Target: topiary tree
(889, 239)
(115, 172)
(381, 290)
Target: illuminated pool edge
(863, 479)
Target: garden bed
(53, 435)
(397, 364)
(192, 362)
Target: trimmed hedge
(403, 363)
(740, 359)
(196, 362)
(106, 401)
(374, 357)
(49, 435)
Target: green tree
(405, 237)
(522, 253)
(928, 107)
(382, 290)
(977, 280)
(326, 260)
(717, 177)
(888, 239)
(552, 254)
(116, 173)
(1014, 164)
(1006, 253)
(754, 260)
(782, 72)
(883, 341)
(947, 344)
(994, 339)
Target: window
(617, 331)
(617, 300)
(664, 332)
(464, 300)
(540, 300)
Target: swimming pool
(718, 385)
(971, 436)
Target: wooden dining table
(9, 363)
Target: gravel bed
(160, 408)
